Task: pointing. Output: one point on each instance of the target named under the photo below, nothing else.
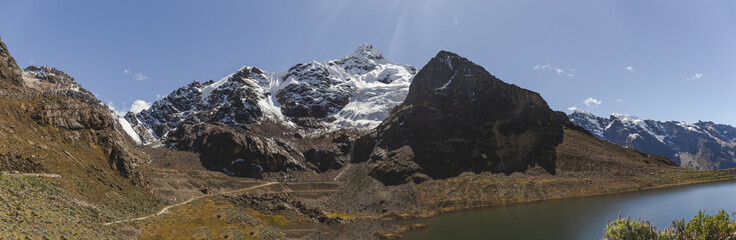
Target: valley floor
(347, 203)
(343, 204)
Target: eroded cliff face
(458, 117)
(236, 150)
(265, 147)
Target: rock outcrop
(457, 117)
(9, 71)
(238, 151)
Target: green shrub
(701, 227)
(627, 229)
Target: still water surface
(578, 218)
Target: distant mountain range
(703, 145)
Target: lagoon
(578, 218)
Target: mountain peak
(449, 74)
(447, 54)
(366, 50)
(456, 62)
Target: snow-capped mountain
(703, 145)
(356, 91)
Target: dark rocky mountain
(457, 117)
(703, 145)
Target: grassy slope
(88, 192)
(213, 218)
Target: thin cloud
(592, 102)
(559, 71)
(31, 61)
(140, 77)
(537, 67)
(573, 108)
(630, 69)
(696, 77)
(619, 101)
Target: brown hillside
(64, 167)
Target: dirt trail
(166, 209)
(48, 175)
(343, 171)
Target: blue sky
(664, 60)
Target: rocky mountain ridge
(356, 91)
(702, 145)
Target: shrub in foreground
(700, 227)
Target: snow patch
(688, 126)
(128, 129)
(207, 90)
(236, 161)
(634, 136)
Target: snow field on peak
(634, 121)
(371, 100)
